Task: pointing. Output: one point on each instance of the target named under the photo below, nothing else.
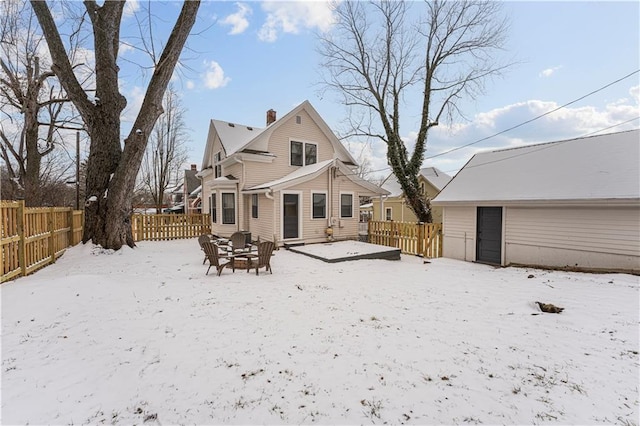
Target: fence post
(21, 243)
(420, 248)
(52, 234)
(70, 237)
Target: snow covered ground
(143, 336)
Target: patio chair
(238, 242)
(216, 259)
(263, 258)
(204, 238)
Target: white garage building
(572, 203)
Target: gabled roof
(236, 138)
(437, 178)
(604, 167)
(307, 173)
(191, 179)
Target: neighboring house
(573, 203)
(185, 196)
(394, 207)
(189, 190)
(290, 182)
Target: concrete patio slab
(342, 251)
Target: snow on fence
(156, 227)
(32, 238)
(423, 239)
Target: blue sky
(248, 57)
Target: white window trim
(300, 219)
(304, 156)
(235, 207)
(217, 162)
(211, 199)
(353, 210)
(326, 204)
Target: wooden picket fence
(31, 238)
(156, 227)
(424, 239)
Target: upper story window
(388, 213)
(216, 162)
(303, 153)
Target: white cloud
(190, 84)
(238, 21)
(291, 17)
(549, 71)
(131, 7)
(134, 103)
(214, 77)
(566, 123)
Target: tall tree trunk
(102, 163)
(31, 181)
(111, 170)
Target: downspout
(329, 230)
(269, 195)
(240, 198)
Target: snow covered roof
(301, 173)
(434, 176)
(234, 136)
(605, 167)
(196, 191)
(307, 173)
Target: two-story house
(290, 182)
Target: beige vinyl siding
(314, 230)
(279, 142)
(588, 237)
(346, 228)
(459, 229)
(263, 226)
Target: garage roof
(605, 167)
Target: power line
(533, 119)
(540, 147)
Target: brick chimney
(271, 116)
(194, 167)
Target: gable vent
(298, 119)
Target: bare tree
(166, 151)
(34, 106)
(112, 168)
(376, 59)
